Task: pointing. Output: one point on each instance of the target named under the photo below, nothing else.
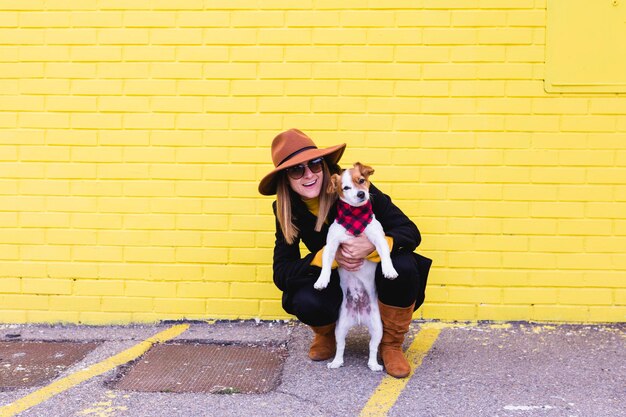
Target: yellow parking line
(390, 388)
(63, 384)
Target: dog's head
(352, 185)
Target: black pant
(319, 308)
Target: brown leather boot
(324, 345)
(396, 322)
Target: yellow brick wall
(133, 135)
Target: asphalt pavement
(461, 369)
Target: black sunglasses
(297, 172)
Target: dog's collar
(354, 219)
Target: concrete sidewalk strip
(469, 369)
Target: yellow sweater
(314, 207)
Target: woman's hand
(352, 252)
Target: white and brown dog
(360, 300)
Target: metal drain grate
(26, 364)
(193, 367)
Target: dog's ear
(334, 184)
(365, 170)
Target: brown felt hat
(291, 148)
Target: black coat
(292, 270)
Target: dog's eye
(346, 188)
(361, 180)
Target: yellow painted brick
(10, 285)
(177, 206)
(108, 318)
(176, 70)
(203, 222)
(584, 227)
(560, 313)
(251, 290)
(199, 19)
(74, 303)
(249, 255)
(311, 53)
(168, 36)
(585, 296)
(153, 254)
(174, 272)
(529, 260)
(126, 70)
(43, 120)
(9, 19)
(72, 270)
(45, 19)
(334, 36)
(22, 237)
(202, 121)
(450, 36)
(97, 19)
(600, 261)
(25, 302)
(341, 70)
(367, 18)
(21, 269)
(258, 19)
(149, 53)
(12, 36)
(123, 238)
(186, 306)
(523, 53)
(556, 244)
(70, 237)
(232, 308)
(478, 18)
(14, 317)
(149, 121)
(202, 289)
(404, 53)
(97, 253)
(46, 286)
(95, 53)
(52, 316)
(73, 36)
(241, 54)
(149, 87)
(71, 5)
(311, 87)
(503, 312)
(152, 222)
(119, 270)
(44, 253)
(231, 239)
(149, 288)
(38, 54)
(97, 87)
(72, 104)
(531, 296)
(607, 314)
(449, 311)
(95, 221)
(238, 36)
(202, 53)
(201, 255)
(127, 304)
(98, 120)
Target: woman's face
(310, 184)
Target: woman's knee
(317, 308)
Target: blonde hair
(284, 211)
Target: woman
(303, 212)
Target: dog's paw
(376, 367)
(336, 364)
(321, 283)
(390, 272)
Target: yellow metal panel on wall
(586, 46)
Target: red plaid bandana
(354, 219)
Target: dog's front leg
(376, 235)
(332, 244)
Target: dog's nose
(361, 194)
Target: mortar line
(63, 384)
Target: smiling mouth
(310, 184)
